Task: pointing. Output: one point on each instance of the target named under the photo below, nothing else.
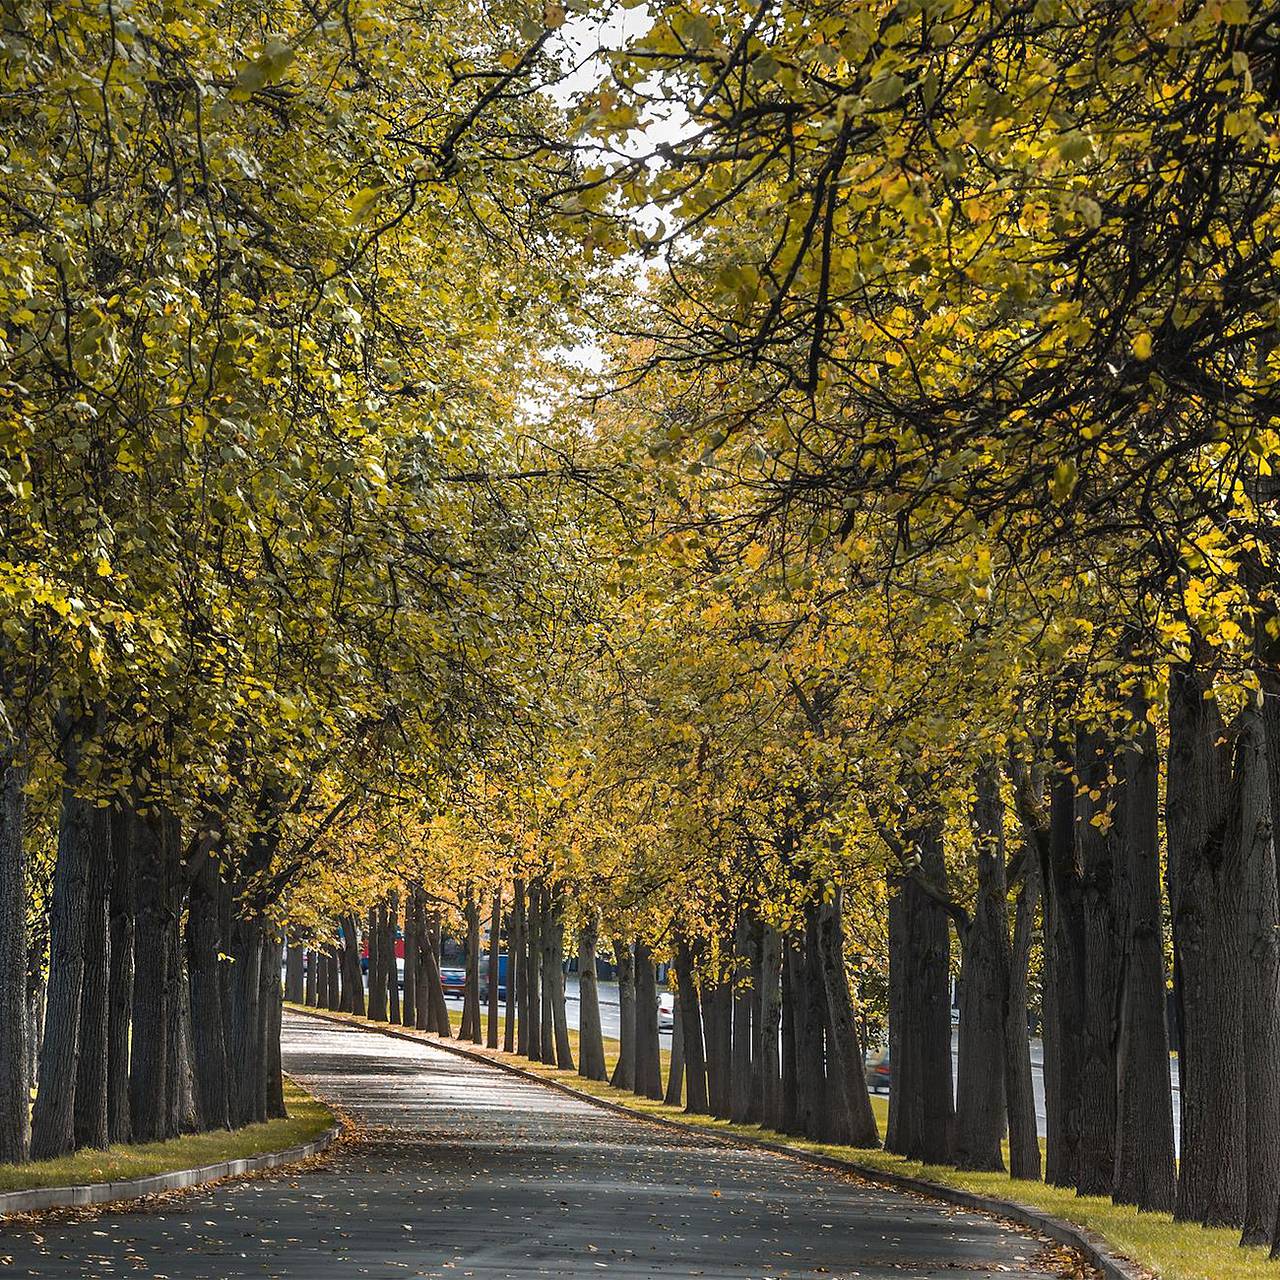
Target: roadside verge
(262, 1153)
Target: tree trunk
(690, 1013)
(546, 916)
(1251, 826)
(1145, 1172)
(244, 1052)
(438, 1009)
(495, 924)
(789, 1110)
(90, 1120)
(393, 965)
(648, 1070)
(15, 1115)
(920, 1085)
(410, 1008)
(624, 1071)
(591, 1064)
(769, 1107)
(149, 1046)
(1096, 1158)
(270, 1005)
(520, 967)
(675, 1069)
(470, 1028)
(533, 975)
(52, 1118)
(717, 1023)
(120, 980)
(1062, 884)
(352, 979)
(376, 935)
(208, 1048)
(311, 981)
(1203, 797)
(515, 969)
(845, 1049)
(559, 1019)
(743, 994)
(984, 991)
(1020, 1099)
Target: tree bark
(675, 1069)
(149, 1047)
(270, 1006)
(1251, 826)
(470, 1028)
(352, 980)
(742, 995)
(120, 980)
(533, 974)
(520, 963)
(410, 1007)
(376, 935)
(560, 1021)
(769, 1074)
(624, 1071)
(495, 924)
(789, 1111)
(393, 966)
(1203, 796)
(591, 1065)
(1020, 1100)
(1145, 1171)
(208, 1048)
(984, 991)
(690, 1013)
(15, 1115)
(52, 1132)
(90, 1119)
(244, 1052)
(845, 1049)
(648, 1069)
(546, 917)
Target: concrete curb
(91, 1193)
(1096, 1251)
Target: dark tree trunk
(1063, 887)
(768, 1073)
(742, 995)
(690, 1014)
(1203, 796)
(311, 978)
(15, 1116)
(591, 1065)
(920, 1083)
(438, 1018)
(1020, 1100)
(1096, 1158)
(352, 980)
(393, 965)
(624, 1071)
(149, 1047)
(844, 1049)
(648, 1082)
(675, 1069)
(830, 1121)
(495, 924)
(270, 1004)
(520, 963)
(410, 1010)
(546, 916)
(810, 1080)
(1145, 1172)
(717, 1013)
(560, 1020)
(244, 1052)
(120, 981)
(51, 1119)
(789, 1109)
(333, 975)
(90, 1122)
(1251, 826)
(470, 1028)
(533, 974)
(295, 974)
(208, 1048)
(178, 1097)
(376, 935)
(984, 991)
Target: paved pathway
(466, 1171)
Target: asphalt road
(461, 1170)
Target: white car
(666, 1012)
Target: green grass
(308, 1119)
(1173, 1251)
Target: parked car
(454, 981)
(877, 1070)
(484, 978)
(666, 1011)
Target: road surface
(461, 1170)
